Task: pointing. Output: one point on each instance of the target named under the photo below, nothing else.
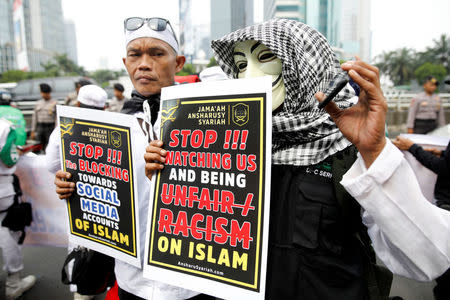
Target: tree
(13, 76)
(103, 76)
(441, 50)
(188, 69)
(398, 65)
(68, 66)
(438, 54)
(428, 69)
(51, 69)
(384, 62)
(61, 65)
(212, 62)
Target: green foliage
(402, 65)
(398, 65)
(188, 69)
(212, 62)
(62, 66)
(18, 75)
(427, 69)
(13, 76)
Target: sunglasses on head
(156, 24)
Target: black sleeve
(439, 165)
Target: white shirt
(409, 234)
(6, 179)
(128, 277)
(53, 150)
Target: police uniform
(43, 120)
(425, 113)
(116, 105)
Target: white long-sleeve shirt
(129, 277)
(409, 234)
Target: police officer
(44, 116)
(426, 112)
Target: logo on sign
(240, 114)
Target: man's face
(429, 87)
(118, 94)
(46, 96)
(151, 64)
(253, 59)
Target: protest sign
(96, 148)
(207, 229)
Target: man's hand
(402, 143)
(64, 188)
(154, 157)
(434, 151)
(364, 123)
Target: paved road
(46, 262)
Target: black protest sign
(102, 208)
(208, 208)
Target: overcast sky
(99, 24)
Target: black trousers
(124, 295)
(442, 289)
(43, 131)
(424, 126)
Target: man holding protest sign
(152, 59)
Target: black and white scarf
(136, 104)
(302, 134)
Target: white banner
(19, 36)
(49, 226)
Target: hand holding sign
(154, 157)
(64, 188)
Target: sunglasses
(156, 24)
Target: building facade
(345, 24)
(7, 48)
(229, 15)
(39, 32)
(291, 9)
(70, 41)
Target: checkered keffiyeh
(302, 134)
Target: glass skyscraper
(229, 15)
(7, 51)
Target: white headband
(145, 31)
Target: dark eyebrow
(254, 46)
(133, 49)
(239, 53)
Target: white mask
(253, 59)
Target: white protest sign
(208, 223)
(97, 149)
